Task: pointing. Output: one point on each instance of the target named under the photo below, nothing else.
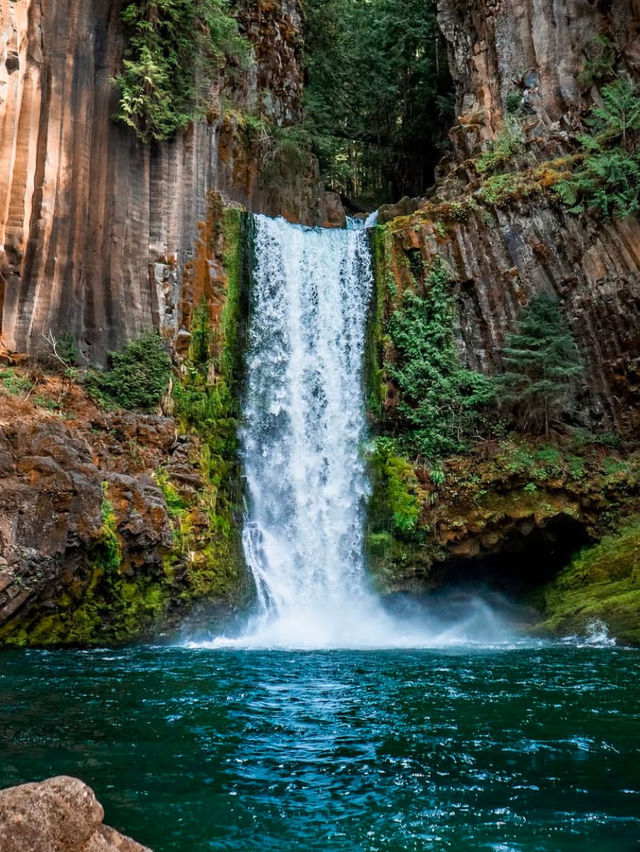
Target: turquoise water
(522, 749)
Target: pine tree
(541, 367)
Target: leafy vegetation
(138, 377)
(602, 582)
(500, 151)
(395, 504)
(379, 95)
(440, 402)
(541, 367)
(14, 383)
(175, 48)
(608, 178)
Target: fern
(608, 178)
(175, 48)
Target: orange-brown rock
(60, 814)
(77, 483)
(538, 50)
(95, 227)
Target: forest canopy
(379, 96)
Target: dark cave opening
(510, 581)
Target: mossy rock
(601, 583)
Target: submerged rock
(60, 814)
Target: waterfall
(302, 439)
(304, 426)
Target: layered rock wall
(501, 257)
(498, 47)
(95, 227)
(500, 254)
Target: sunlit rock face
(95, 227)
(60, 814)
(498, 47)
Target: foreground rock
(58, 815)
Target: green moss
(395, 503)
(375, 387)
(109, 552)
(207, 405)
(601, 583)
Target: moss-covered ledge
(600, 585)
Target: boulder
(57, 815)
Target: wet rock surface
(89, 549)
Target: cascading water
(303, 433)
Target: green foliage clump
(440, 402)
(500, 151)
(138, 377)
(599, 66)
(15, 384)
(175, 48)
(515, 105)
(395, 503)
(541, 367)
(379, 95)
(608, 179)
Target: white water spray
(304, 429)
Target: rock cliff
(512, 512)
(95, 227)
(505, 246)
(104, 531)
(500, 47)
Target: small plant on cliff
(138, 377)
(509, 143)
(175, 48)
(110, 554)
(440, 401)
(541, 367)
(608, 178)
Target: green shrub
(175, 48)
(440, 402)
(608, 178)
(508, 143)
(138, 377)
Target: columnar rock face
(58, 815)
(95, 227)
(502, 255)
(498, 47)
(501, 258)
